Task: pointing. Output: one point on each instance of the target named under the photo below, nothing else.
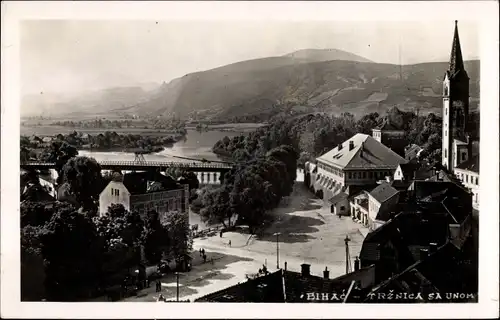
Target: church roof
(456, 59)
(367, 153)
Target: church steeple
(456, 60)
(455, 142)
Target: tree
(155, 238)
(34, 214)
(70, 246)
(179, 235)
(32, 264)
(59, 152)
(120, 234)
(84, 177)
(215, 208)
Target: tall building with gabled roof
(352, 166)
(456, 145)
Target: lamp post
(177, 275)
(277, 250)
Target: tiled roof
(367, 153)
(137, 183)
(471, 165)
(289, 286)
(338, 197)
(440, 272)
(383, 192)
(409, 169)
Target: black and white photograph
(268, 152)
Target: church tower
(456, 146)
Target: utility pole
(277, 250)
(347, 258)
(177, 274)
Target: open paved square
(309, 233)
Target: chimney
(388, 179)
(306, 269)
(285, 265)
(351, 145)
(424, 253)
(340, 146)
(326, 273)
(432, 247)
(356, 264)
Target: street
(309, 233)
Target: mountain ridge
(305, 78)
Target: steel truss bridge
(141, 166)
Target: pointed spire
(456, 60)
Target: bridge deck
(146, 165)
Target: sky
(63, 56)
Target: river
(196, 145)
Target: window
(467, 178)
(445, 133)
(477, 200)
(342, 208)
(477, 181)
(350, 175)
(445, 153)
(463, 156)
(445, 111)
(370, 175)
(112, 191)
(364, 175)
(117, 192)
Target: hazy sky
(72, 56)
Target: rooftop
(383, 192)
(470, 165)
(144, 182)
(288, 286)
(366, 153)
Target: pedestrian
(229, 242)
(200, 252)
(221, 233)
(204, 258)
(203, 251)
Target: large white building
(354, 165)
(140, 193)
(468, 173)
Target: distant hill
(89, 102)
(257, 86)
(326, 55)
(311, 80)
